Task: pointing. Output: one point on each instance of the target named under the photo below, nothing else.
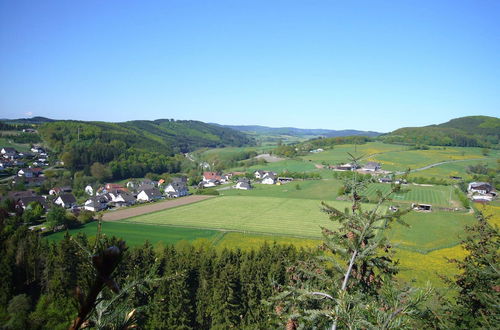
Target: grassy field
(339, 154)
(435, 195)
(308, 189)
(454, 169)
(5, 142)
(137, 234)
(244, 241)
(400, 161)
(272, 215)
(430, 231)
(292, 165)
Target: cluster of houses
(28, 165)
(116, 195)
(10, 157)
(212, 179)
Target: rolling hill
(163, 135)
(472, 131)
(298, 132)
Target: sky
(368, 65)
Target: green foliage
(18, 309)
(56, 216)
(478, 282)
(475, 131)
(207, 191)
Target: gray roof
(151, 193)
(68, 198)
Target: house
(145, 186)
(269, 178)
(96, 204)
(176, 189)
(149, 195)
(123, 199)
(60, 190)
(209, 183)
(421, 207)
(25, 201)
(29, 182)
(211, 176)
(315, 151)
(344, 167)
(371, 167)
(17, 195)
(66, 200)
(114, 186)
(226, 177)
(8, 150)
(482, 188)
(385, 180)
(89, 190)
(259, 174)
(37, 150)
(30, 172)
(243, 184)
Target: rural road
(440, 163)
(148, 208)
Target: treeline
(188, 287)
(303, 148)
(174, 288)
(23, 138)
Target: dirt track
(148, 208)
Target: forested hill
(163, 135)
(472, 131)
(299, 132)
(133, 148)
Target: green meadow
(308, 189)
(271, 215)
(137, 234)
(443, 196)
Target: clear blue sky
(371, 65)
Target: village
(27, 172)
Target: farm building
(422, 207)
(371, 167)
(283, 180)
(479, 187)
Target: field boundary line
(153, 208)
(226, 230)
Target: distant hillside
(28, 121)
(299, 132)
(472, 131)
(163, 135)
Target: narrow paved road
(441, 163)
(163, 205)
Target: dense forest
(135, 148)
(473, 131)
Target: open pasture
(400, 161)
(454, 169)
(271, 215)
(137, 234)
(435, 195)
(230, 152)
(339, 153)
(5, 142)
(430, 231)
(308, 189)
(291, 165)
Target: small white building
(269, 178)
